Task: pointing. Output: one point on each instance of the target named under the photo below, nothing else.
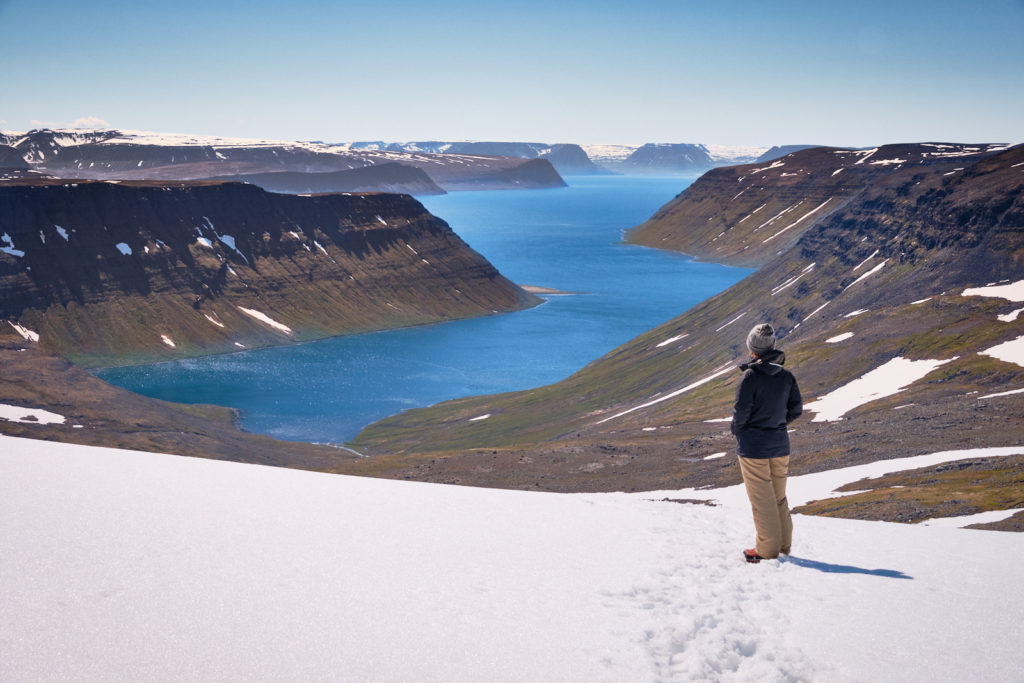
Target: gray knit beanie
(761, 339)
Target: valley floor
(123, 565)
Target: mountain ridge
(142, 155)
(721, 216)
(568, 159)
(389, 177)
(109, 273)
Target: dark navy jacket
(767, 400)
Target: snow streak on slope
(121, 565)
(669, 396)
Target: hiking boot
(750, 555)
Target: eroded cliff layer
(747, 215)
(110, 273)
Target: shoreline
(537, 290)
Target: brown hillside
(111, 273)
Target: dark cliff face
(528, 175)
(572, 160)
(883, 276)
(390, 177)
(11, 159)
(113, 273)
(747, 215)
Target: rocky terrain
(11, 160)
(124, 272)
(138, 155)
(892, 272)
(747, 215)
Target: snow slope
(120, 565)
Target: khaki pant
(765, 479)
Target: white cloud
(83, 122)
(89, 122)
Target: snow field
(121, 565)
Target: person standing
(767, 400)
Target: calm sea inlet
(568, 239)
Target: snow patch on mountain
(26, 333)
(1012, 292)
(672, 340)
(29, 415)
(1011, 351)
(885, 380)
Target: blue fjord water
(568, 239)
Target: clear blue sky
(589, 71)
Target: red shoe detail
(751, 555)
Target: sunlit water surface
(568, 239)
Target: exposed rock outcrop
(110, 273)
(533, 174)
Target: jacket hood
(770, 363)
